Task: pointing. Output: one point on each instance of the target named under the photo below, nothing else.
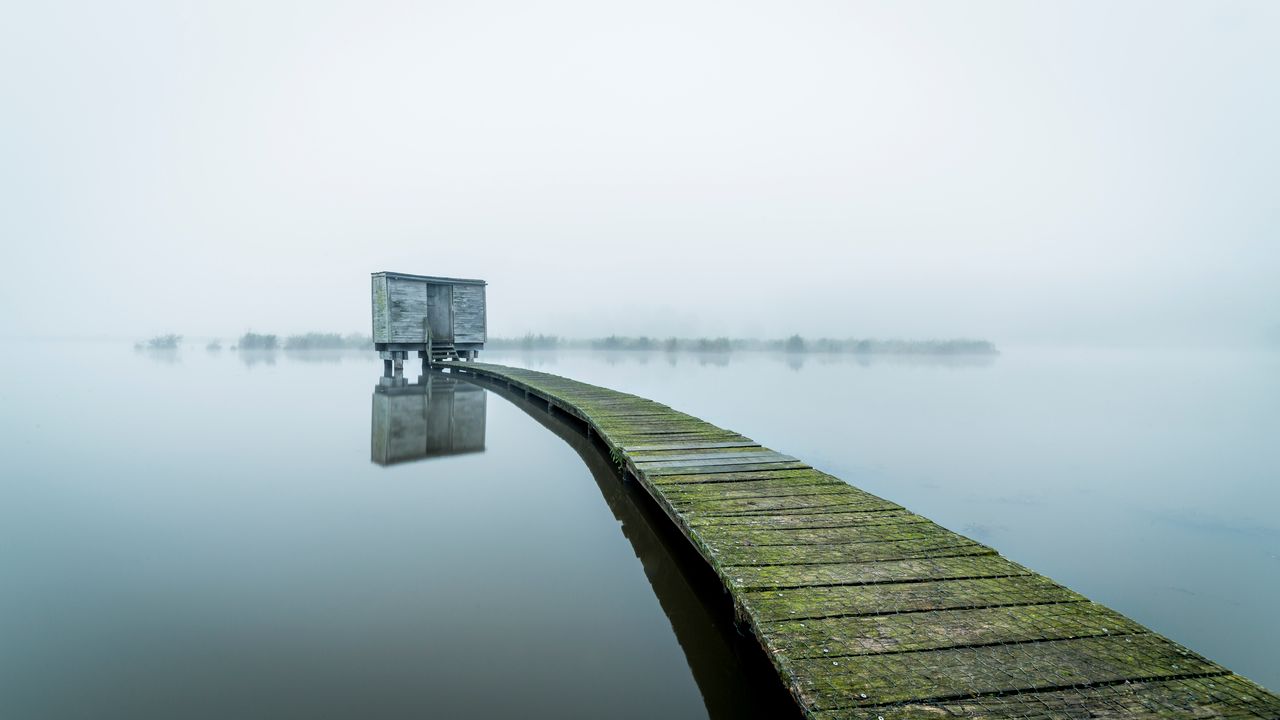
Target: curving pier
(867, 610)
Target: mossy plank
(942, 629)
(834, 601)
(826, 537)
(1218, 696)
(810, 520)
(688, 465)
(707, 469)
(755, 489)
(775, 577)
(685, 456)
(689, 446)
(735, 476)
(861, 552)
(965, 672)
(817, 502)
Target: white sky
(1021, 171)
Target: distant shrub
(613, 342)
(793, 344)
(164, 342)
(527, 342)
(315, 341)
(538, 342)
(356, 341)
(255, 341)
(213, 346)
(328, 341)
(707, 345)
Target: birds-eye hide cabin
(438, 317)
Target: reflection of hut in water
(433, 417)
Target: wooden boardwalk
(867, 610)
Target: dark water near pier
(223, 535)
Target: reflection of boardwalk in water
(867, 610)
(433, 417)
(735, 680)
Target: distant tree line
(306, 341)
(270, 341)
(792, 344)
(641, 343)
(169, 341)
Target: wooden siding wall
(381, 311)
(468, 314)
(408, 306)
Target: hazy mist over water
(1090, 185)
(1079, 172)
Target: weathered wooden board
(739, 475)
(990, 669)
(1216, 696)
(769, 521)
(920, 547)
(469, 314)
(939, 629)
(758, 455)
(726, 468)
(737, 536)
(688, 446)
(713, 461)
(777, 577)
(869, 611)
(881, 599)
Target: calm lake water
(234, 535)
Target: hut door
(440, 312)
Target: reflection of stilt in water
(732, 672)
(433, 417)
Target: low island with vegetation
(270, 342)
(793, 344)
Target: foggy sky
(1076, 171)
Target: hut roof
(433, 278)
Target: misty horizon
(1091, 173)
(674, 359)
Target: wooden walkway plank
(914, 528)
(817, 502)
(733, 476)
(727, 454)
(778, 577)
(1222, 696)
(707, 469)
(750, 489)
(881, 599)
(690, 464)
(991, 669)
(807, 520)
(636, 449)
(834, 638)
(856, 552)
(869, 611)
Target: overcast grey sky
(1021, 171)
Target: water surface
(1147, 480)
(196, 535)
(285, 535)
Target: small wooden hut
(441, 318)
